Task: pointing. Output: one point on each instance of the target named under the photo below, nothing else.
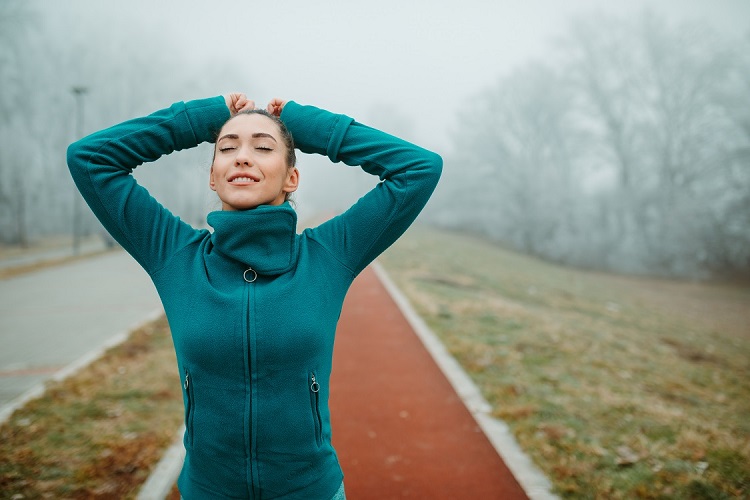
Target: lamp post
(78, 92)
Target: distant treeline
(47, 49)
(627, 150)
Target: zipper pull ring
(187, 381)
(315, 386)
(254, 275)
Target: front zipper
(315, 405)
(253, 475)
(190, 410)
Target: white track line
(162, 478)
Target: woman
(253, 305)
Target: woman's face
(250, 167)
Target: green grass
(617, 387)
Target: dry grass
(98, 433)
(617, 387)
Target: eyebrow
(254, 136)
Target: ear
(292, 180)
(211, 182)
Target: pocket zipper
(190, 410)
(315, 403)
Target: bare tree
(513, 171)
(15, 27)
(650, 89)
(126, 76)
(632, 156)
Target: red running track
(399, 428)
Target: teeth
(242, 179)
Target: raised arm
(102, 163)
(409, 174)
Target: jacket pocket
(190, 408)
(315, 406)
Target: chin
(240, 203)
(239, 206)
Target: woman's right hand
(237, 102)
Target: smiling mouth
(242, 180)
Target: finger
(232, 102)
(274, 107)
(241, 102)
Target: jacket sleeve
(409, 175)
(102, 163)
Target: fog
(445, 75)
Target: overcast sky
(424, 58)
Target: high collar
(263, 238)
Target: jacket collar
(263, 238)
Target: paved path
(53, 317)
(399, 428)
(34, 255)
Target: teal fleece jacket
(254, 356)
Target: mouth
(243, 179)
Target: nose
(242, 158)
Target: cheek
(218, 167)
(215, 173)
(284, 174)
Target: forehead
(248, 124)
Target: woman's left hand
(276, 106)
(237, 102)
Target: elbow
(436, 161)
(434, 166)
(79, 156)
(74, 156)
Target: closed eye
(264, 148)
(227, 148)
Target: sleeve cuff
(206, 117)
(315, 130)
